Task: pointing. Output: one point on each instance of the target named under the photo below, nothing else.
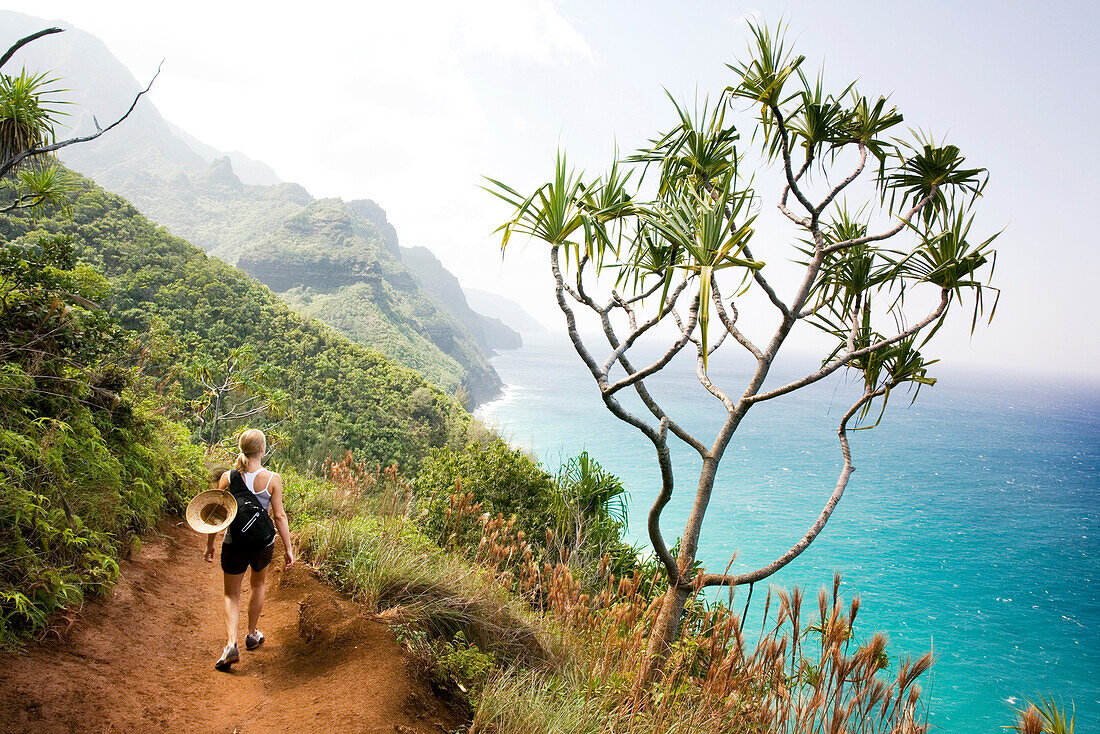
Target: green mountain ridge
(332, 263)
(341, 395)
(277, 232)
(490, 333)
(288, 240)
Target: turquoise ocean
(971, 526)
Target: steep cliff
(490, 334)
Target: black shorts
(236, 561)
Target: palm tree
(26, 119)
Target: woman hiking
(257, 490)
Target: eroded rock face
(322, 273)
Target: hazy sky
(410, 104)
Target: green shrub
(499, 478)
(86, 457)
(455, 667)
(590, 511)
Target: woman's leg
(232, 586)
(256, 599)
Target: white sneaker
(229, 656)
(252, 641)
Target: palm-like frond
(40, 187)
(868, 122)
(712, 231)
(888, 368)
(1045, 718)
(597, 493)
(700, 151)
(948, 259)
(848, 274)
(608, 205)
(763, 78)
(820, 118)
(648, 254)
(554, 213)
(26, 116)
(932, 171)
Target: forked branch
(848, 356)
(726, 579)
(787, 190)
(902, 224)
(730, 323)
(638, 331)
(657, 436)
(785, 147)
(844, 184)
(7, 166)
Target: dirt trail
(143, 659)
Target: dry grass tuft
(569, 652)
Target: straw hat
(211, 511)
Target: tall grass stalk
(570, 652)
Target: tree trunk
(663, 635)
(666, 629)
(214, 421)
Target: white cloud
(534, 31)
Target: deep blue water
(970, 527)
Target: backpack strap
(242, 491)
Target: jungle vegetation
(194, 308)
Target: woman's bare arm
(223, 483)
(276, 487)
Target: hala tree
(29, 177)
(675, 256)
(234, 389)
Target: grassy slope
(342, 395)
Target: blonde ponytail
(250, 443)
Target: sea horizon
(971, 520)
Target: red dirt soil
(143, 659)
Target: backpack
(251, 526)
